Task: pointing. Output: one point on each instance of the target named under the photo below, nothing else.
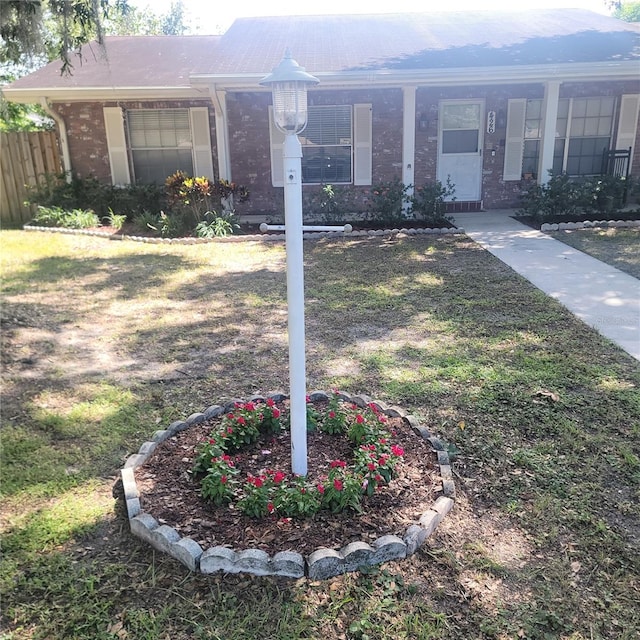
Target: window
(327, 145)
(583, 131)
(160, 142)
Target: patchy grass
(104, 342)
(618, 247)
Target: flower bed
(266, 519)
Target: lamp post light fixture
(289, 82)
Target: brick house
(474, 96)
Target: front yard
(105, 342)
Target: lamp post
(289, 83)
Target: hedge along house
(491, 99)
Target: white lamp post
(289, 83)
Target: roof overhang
(94, 94)
(568, 72)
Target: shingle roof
(426, 40)
(130, 61)
(350, 43)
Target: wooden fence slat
(25, 158)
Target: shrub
(90, 193)
(71, 219)
(570, 197)
(330, 204)
(216, 225)
(428, 202)
(387, 202)
(195, 197)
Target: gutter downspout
(64, 140)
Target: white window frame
(361, 147)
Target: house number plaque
(491, 122)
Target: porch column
(408, 138)
(219, 99)
(548, 136)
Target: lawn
(618, 247)
(104, 342)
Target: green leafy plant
(565, 196)
(115, 220)
(428, 201)
(219, 484)
(387, 202)
(147, 221)
(334, 420)
(217, 225)
(197, 197)
(70, 219)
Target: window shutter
(201, 141)
(117, 146)
(362, 144)
(628, 124)
(277, 149)
(514, 143)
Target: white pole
(295, 302)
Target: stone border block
(218, 559)
(161, 435)
(325, 563)
(133, 507)
(195, 418)
(387, 548)
(186, 551)
(143, 525)
(288, 564)
(318, 395)
(254, 561)
(414, 538)
(355, 555)
(176, 426)
(134, 461)
(147, 448)
(163, 537)
(213, 411)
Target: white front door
(460, 147)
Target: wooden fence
(25, 158)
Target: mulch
(171, 494)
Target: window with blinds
(327, 145)
(160, 142)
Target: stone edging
(589, 224)
(267, 237)
(322, 563)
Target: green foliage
(23, 117)
(387, 202)
(217, 225)
(627, 11)
(219, 484)
(89, 193)
(393, 203)
(70, 219)
(135, 21)
(197, 196)
(53, 29)
(330, 204)
(115, 220)
(428, 202)
(566, 196)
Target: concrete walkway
(602, 296)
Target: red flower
(270, 507)
(230, 416)
(223, 479)
(382, 441)
(257, 482)
(378, 478)
(371, 466)
(337, 484)
(279, 477)
(332, 414)
(359, 418)
(338, 463)
(271, 402)
(212, 441)
(320, 488)
(383, 460)
(397, 450)
(249, 406)
(229, 430)
(276, 412)
(241, 420)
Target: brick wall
(249, 137)
(87, 136)
(248, 115)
